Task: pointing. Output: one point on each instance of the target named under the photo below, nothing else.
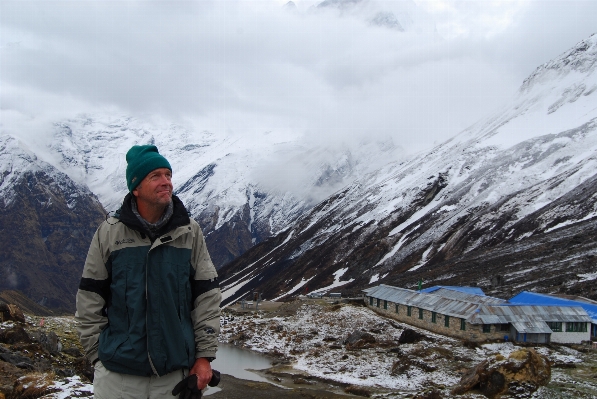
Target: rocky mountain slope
(509, 204)
(47, 222)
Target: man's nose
(165, 180)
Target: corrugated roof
(478, 313)
(466, 290)
(530, 314)
(533, 298)
(431, 302)
(465, 296)
(532, 327)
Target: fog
(326, 74)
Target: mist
(326, 74)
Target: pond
(235, 361)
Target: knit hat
(142, 159)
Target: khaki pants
(110, 385)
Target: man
(148, 305)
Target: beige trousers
(110, 385)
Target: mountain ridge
(508, 178)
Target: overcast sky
(245, 67)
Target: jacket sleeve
(206, 299)
(92, 298)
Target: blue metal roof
(533, 298)
(466, 290)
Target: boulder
(48, 341)
(410, 336)
(9, 312)
(523, 372)
(14, 335)
(359, 339)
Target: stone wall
(472, 332)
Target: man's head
(142, 159)
(149, 178)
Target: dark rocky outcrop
(46, 230)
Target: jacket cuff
(207, 354)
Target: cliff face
(46, 224)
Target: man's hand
(202, 368)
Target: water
(235, 361)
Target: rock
(404, 364)
(397, 351)
(11, 312)
(17, 360)
(73, 351)
(357, 391)
(302, 381)
(433, 394)
(410, 336)
(522, 373)
(48, 341)
(15, 335)
(359, 339)
(33, 385)
(400, 366)
(83, 367)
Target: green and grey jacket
(148, 308)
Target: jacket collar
(180, 216)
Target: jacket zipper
(146, 311)
(147, 301)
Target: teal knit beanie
(142, 159)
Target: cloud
(245, 67)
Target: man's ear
(135, 193)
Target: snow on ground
(71, 387)
(313, 339)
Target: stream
(235, 361)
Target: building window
(486, 328)
(433, 317)
(576, 327)
(371, 300)
(409, 310)
(462, 324)
(420, 313)
(555, 326)
(385, 305)
(378, 301)
(505, 327)
(447, 321)
(397, 308)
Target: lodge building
(467, 313)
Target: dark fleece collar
(180, 216)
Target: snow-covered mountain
(47, 221)
(401, 16)
(509, 203)
(241, 189)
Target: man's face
(156, 188)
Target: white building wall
(570, 337)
